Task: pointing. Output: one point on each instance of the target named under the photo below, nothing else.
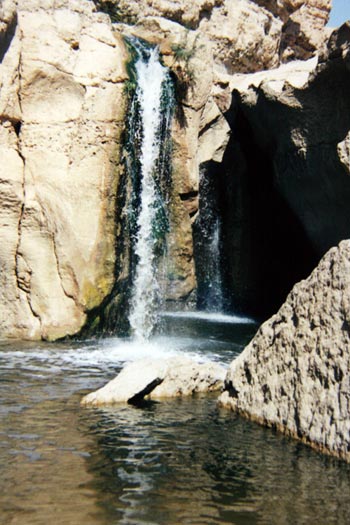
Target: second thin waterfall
(149, 132)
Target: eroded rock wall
(285, 181)
(247, 35)
(295, 373)
(61, 116)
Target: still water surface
(180, 461)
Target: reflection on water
(172, 462)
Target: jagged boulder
(156, 379)
(295, 373)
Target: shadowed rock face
(295, 374)
(285, 176)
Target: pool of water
(181, 461)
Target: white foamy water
(215, 295)
(151, 75)
(214, 317)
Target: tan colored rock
(187, 14)
(135, 380)
(304, 31)
(344, 152)
(295, 374)
(245, 38)
(248, 35)
(158, 378)
(61, 83)
(185, 377)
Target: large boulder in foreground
(295, 374)
(158, 378)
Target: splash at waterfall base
(146, 209)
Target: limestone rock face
(304, 23)
(62, 109)
(247, 35)
(155, 379)
(295, 373)
(61, 117)
(187, 14)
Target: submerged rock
(295, 373)
(158, 378)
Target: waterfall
(215, 296)
(149, 132)
(208, 245)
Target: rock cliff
(287, 158)
(247, 35)
(295, 373)
(61, 115)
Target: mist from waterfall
(152, 112)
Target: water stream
(153, 119)
(176, 461)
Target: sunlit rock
(158, 378)
(295, 373)
(62, 111)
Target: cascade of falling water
(153, 99)
(208, 246)
(214, 299)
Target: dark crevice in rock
(17, 127)
(7, 37)
(232, 391)
(248, 373)
(188, 196)
(210, 125)
(265, 247)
